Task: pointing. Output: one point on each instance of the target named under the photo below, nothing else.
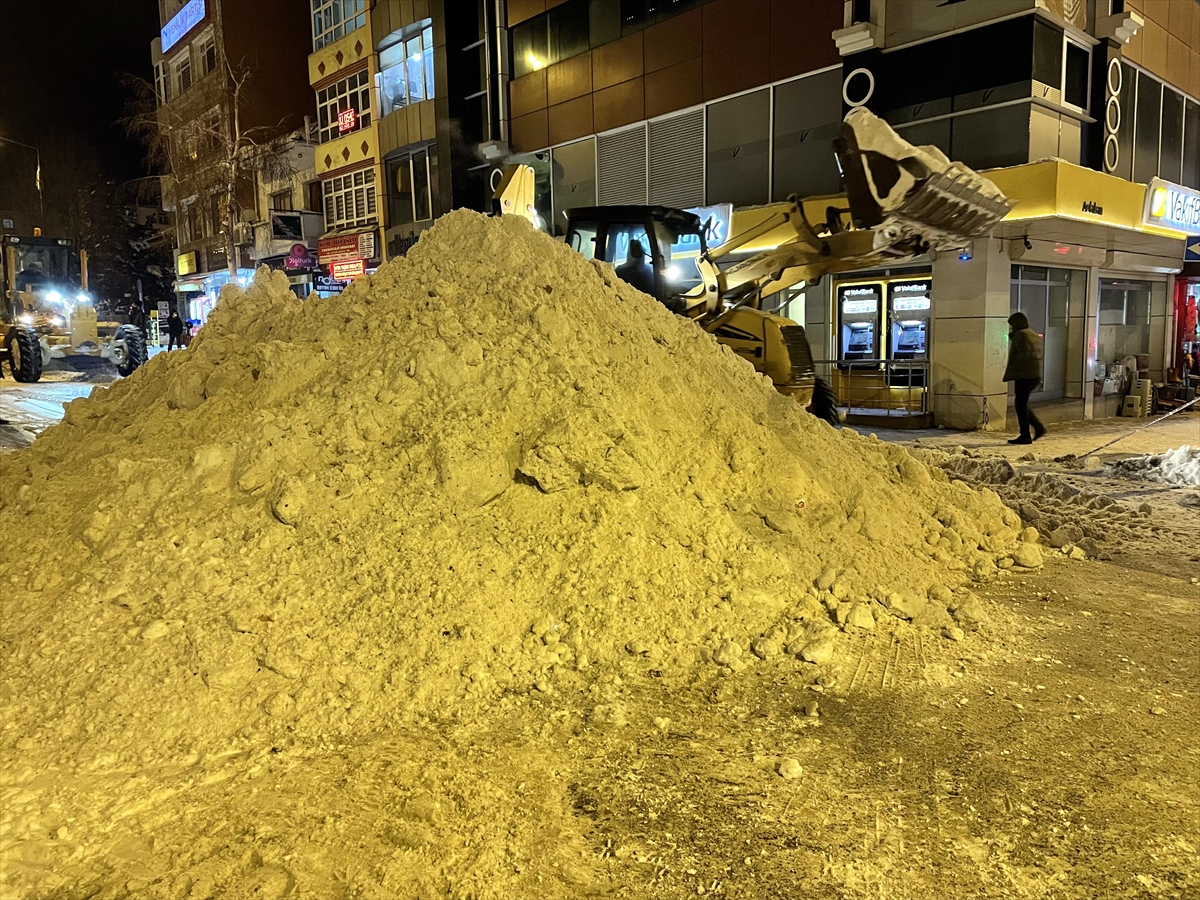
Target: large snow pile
(490, 468)
(1180, 466)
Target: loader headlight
(25, 319)
(672, 273)
(58, 321)
(53, 296)
(83, 298)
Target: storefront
(198, 293)
(344, 256)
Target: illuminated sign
(1191, 252)
(346, 246)
(345, 269)
(1172, 206)
(347, 119)
(300, 260)
(185, 263)
(181, 23)
(907, 303)
(858, 292)
(716, 221)
(853, 307)
(910, 295)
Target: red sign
(346, 269)
(347, 119)
(346, 246)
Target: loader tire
(135, 349)
(824, 403)
(24, 354)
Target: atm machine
(858, 325)
(908, 332)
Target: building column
(1091, 340)
(969, 342)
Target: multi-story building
(1084, 111)
(409, 113)
(229, 78)
(289, 219)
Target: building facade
(1083, 111)
(229, 80)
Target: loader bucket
(912, 196)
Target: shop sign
(911, 296)
(185, 263)
(853, 307)
(164, 310)
(300, 261)
(327, 284)
(716, 220)
(285, 226)
(346, 246)
(181, 23)
(347, 119)
(1191, 252)
(1172, 206)
(347, 269)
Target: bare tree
(199, 144)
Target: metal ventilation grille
(1046, 92)
(622, 167)
(677, 160)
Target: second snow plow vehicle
(903, 201)
(45, 312)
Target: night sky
(57, 73)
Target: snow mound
(491, 468)
(1180, 466)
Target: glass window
(681, 255)
(808, 113)
(1191, 145)
(406, 69)
(206, 53)
(1047, 54)
(1145, 139)
(1075, 89)
(991, 138)
(351, 93)
(738, 148)
(530, 46)
(636, 15)
(629, 249)
(568, 30)
(1170, 160)
(350, 199)
(604, 19)
(334, 19)
(161, 83)
(216, 216)
(281, 201)
(583, 241)
(573, 178)
(182, 68)
(422, 205)
(400, 191)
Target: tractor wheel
(24, 354)
(133, 346)
(824, 403)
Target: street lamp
(38, 177)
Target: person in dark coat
(174, 331)
(1025, 371)
(636, 270)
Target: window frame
(1062, 92)
(206, 46)
(289, 194)
(325, 30)
(162, 82)
(345, 188)
(405, 162)
(422, 33)
(339, 97)
(179, 65)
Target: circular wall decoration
(1112, 153)
(1114, 76)
(866, 95)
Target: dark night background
(58, 76)
(60, 91)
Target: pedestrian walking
(174, 331)
(1025, 371)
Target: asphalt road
(27, 409)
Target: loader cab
(653, 248)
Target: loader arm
(904, 201)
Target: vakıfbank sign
(1172, 206)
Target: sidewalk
(1079, 438)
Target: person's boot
(1023, 439)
